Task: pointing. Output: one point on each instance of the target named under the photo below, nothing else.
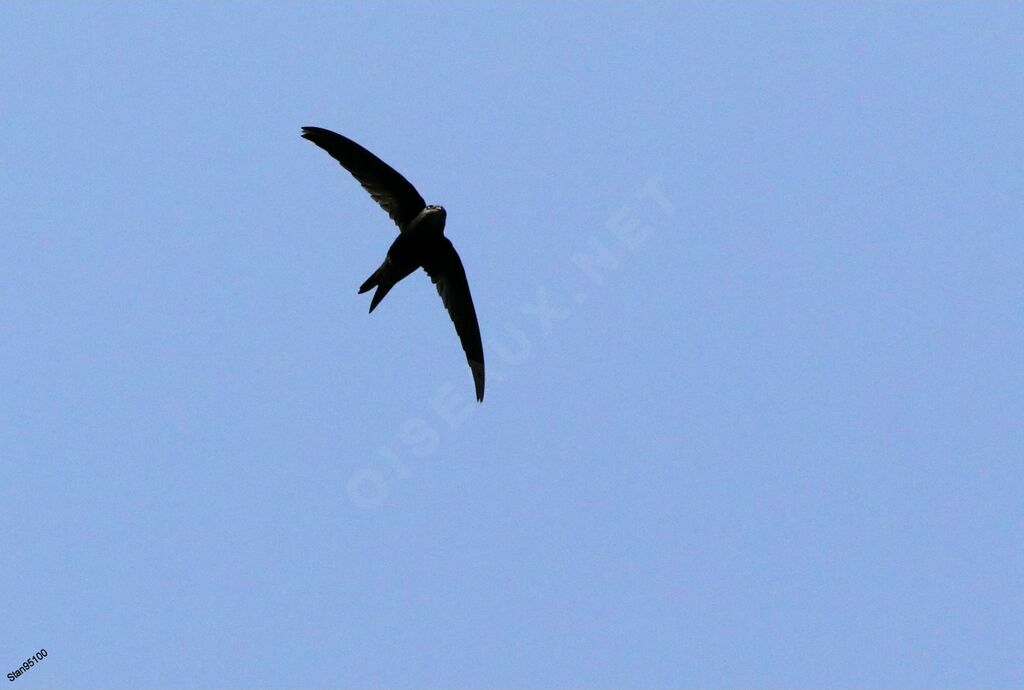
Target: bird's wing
(445, 269)
(387, 187)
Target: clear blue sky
(750, 285)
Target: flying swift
(421, 242)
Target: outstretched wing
(445, 269)
(387, 187)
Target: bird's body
(417, 241)
(420, 243)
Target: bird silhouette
(420, 243)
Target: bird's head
(435, 208)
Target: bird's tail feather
(371, 282)
(382, 289)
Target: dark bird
(420, 242)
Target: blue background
(749, 278)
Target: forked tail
(377, 280)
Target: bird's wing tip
(478, 378)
